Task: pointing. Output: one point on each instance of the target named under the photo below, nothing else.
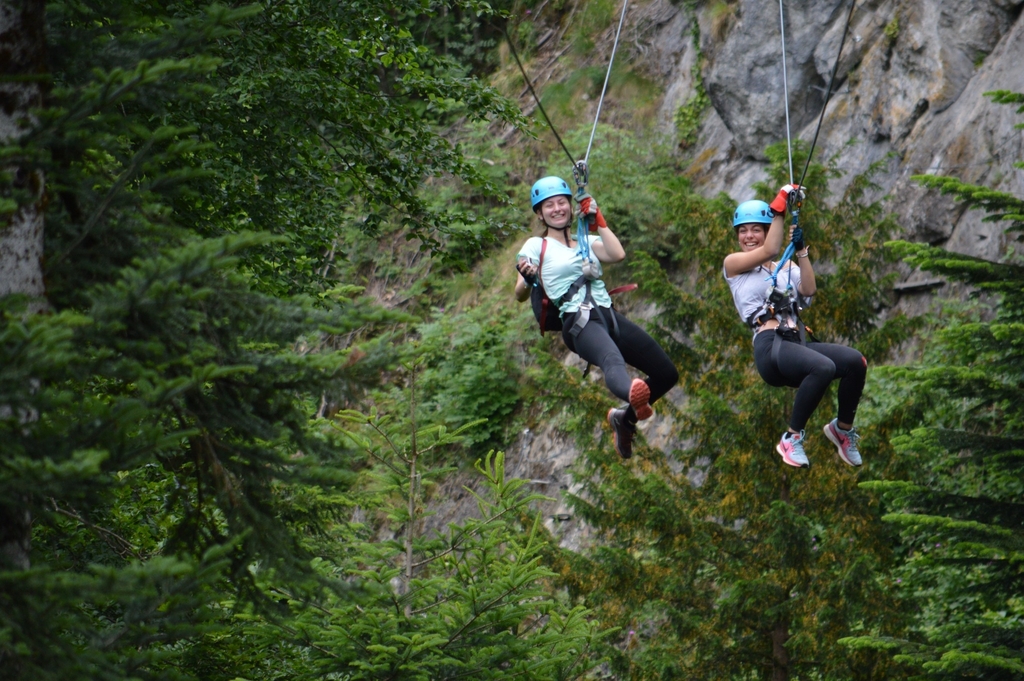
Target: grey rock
(744, 77)
(974, 140)
(544, 458)
(910, 97)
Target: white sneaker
(791, 449)
(845, 441)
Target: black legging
(633, 347)
(810, 369)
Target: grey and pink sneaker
(791, 449)
(845, 441)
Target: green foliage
(1008, 97)
(320, 123)
(960, 520)
(460, 32)
(472, 375)
(563, 98)
(629, 170)
(224, 185)
(204, 165)
(689, 116)
(164, 424)
(111, 155)
(594, 16)
(999, 206)
(466, 601)
(892, 29)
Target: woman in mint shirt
(591, 327)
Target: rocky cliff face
(909, 88)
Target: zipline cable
(600, 101)
(795, 209)
(533, 92)
(828, 92)
(785, 89)
(607, 75)
(580, 169)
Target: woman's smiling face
(751, 236)
(556, 211)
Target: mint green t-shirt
(563, 266)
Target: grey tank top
(750, 289)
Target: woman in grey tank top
(780, 353)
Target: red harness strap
(545, 301)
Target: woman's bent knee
(670, 377)
(824, 371)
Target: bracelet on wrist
(804, 254)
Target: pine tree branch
(119, 544)
(462, 538)
(112, 193)
(305, 639)
(394, 448)
(477, 616)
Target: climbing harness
(784, 305)
(547, 311)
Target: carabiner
(581, 174)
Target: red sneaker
(639, 399)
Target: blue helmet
(545, 188)
(752, 211)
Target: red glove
(595, 220)
(790, 192)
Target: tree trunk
(21, 254)
(22, 65)
(15, 538)
(410, 535)
(780, 633)
(780, 656)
